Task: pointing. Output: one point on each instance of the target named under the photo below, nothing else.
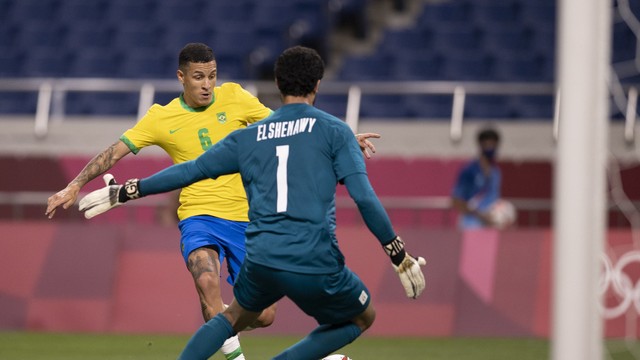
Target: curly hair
(195, 53)
(298, 70)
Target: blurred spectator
(477, 187)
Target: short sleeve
(142, 134)
(252, 107)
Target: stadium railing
(52, 92)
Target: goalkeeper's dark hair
(298, 70)
(488, 134)
(194, 53)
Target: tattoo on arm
(98, 165)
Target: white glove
(407, 267)
(109, 197)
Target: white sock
(231, 349)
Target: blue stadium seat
(237, 39)
(95, 11)
(147, 65)
(533, 106)
(141, 11)
(263, 56)
(448, 13)
(544, 41)
(349, 14)
(9, 36)
(96, 63)
(412, 66)
(487, 107)
(429, 106)
(232, 67)
(35, 10)
(42, 34)
(458, 40)
(182, 33)
(400, 42)
(497, 12)
(47, 62)
(221, 12)
(192, 11)
(383, 106)
(539, 14)
(527, 67)
(134, 36)
(361, 68)
(11, 63)
(478, 67)
(624, 42)
(18, 102)
(86, 36)
(333, 104)
(273, 16)
(508, 40)
(103, 103)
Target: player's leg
(211, 336)
(254, 292)
(203, 254)
(339, 302)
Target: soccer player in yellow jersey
(213, 214)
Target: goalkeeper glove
(110, 196)
(407, 267)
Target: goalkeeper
(290, 164)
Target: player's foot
(232, 349)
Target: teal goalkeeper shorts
(225, 236)
(329, 298)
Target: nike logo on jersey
(173, 131)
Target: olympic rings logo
(619, 281)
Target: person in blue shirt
(290, 164)
(478, 184)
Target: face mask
(490, 154)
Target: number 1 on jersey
(282, 152)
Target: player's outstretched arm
(367, 146)
(97, 166)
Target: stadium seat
(333, 104)
(221, 12)
(383, 106)
(526, 67)
(508, 40)
(103, 103)
(232, 67)
(96, 63)
(487, 107)
(35, 10)
(478, 67)
(234, 39)
(181, 33)
(168, 12)
(9, 36)
(134, 36)
(496, 12)
(350, 14)
(95, 11)
(433, 107)
(624, 42)
(140, 11)
(47, 62)
(87, 36)
(42, 34)
(18, 102)
(401, 42)
(539, 14)
(447, 13)
(465, 41)
(147, 65)
(11, 63)
(410, 66)
(360, 68)
(533, 106)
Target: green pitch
(54, 346)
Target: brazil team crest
(222, 117)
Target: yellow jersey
(185, 133)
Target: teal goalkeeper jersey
(290, 164)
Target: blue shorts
(329, 298)
(225, 236)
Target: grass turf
(54, 346)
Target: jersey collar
(198, 109)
